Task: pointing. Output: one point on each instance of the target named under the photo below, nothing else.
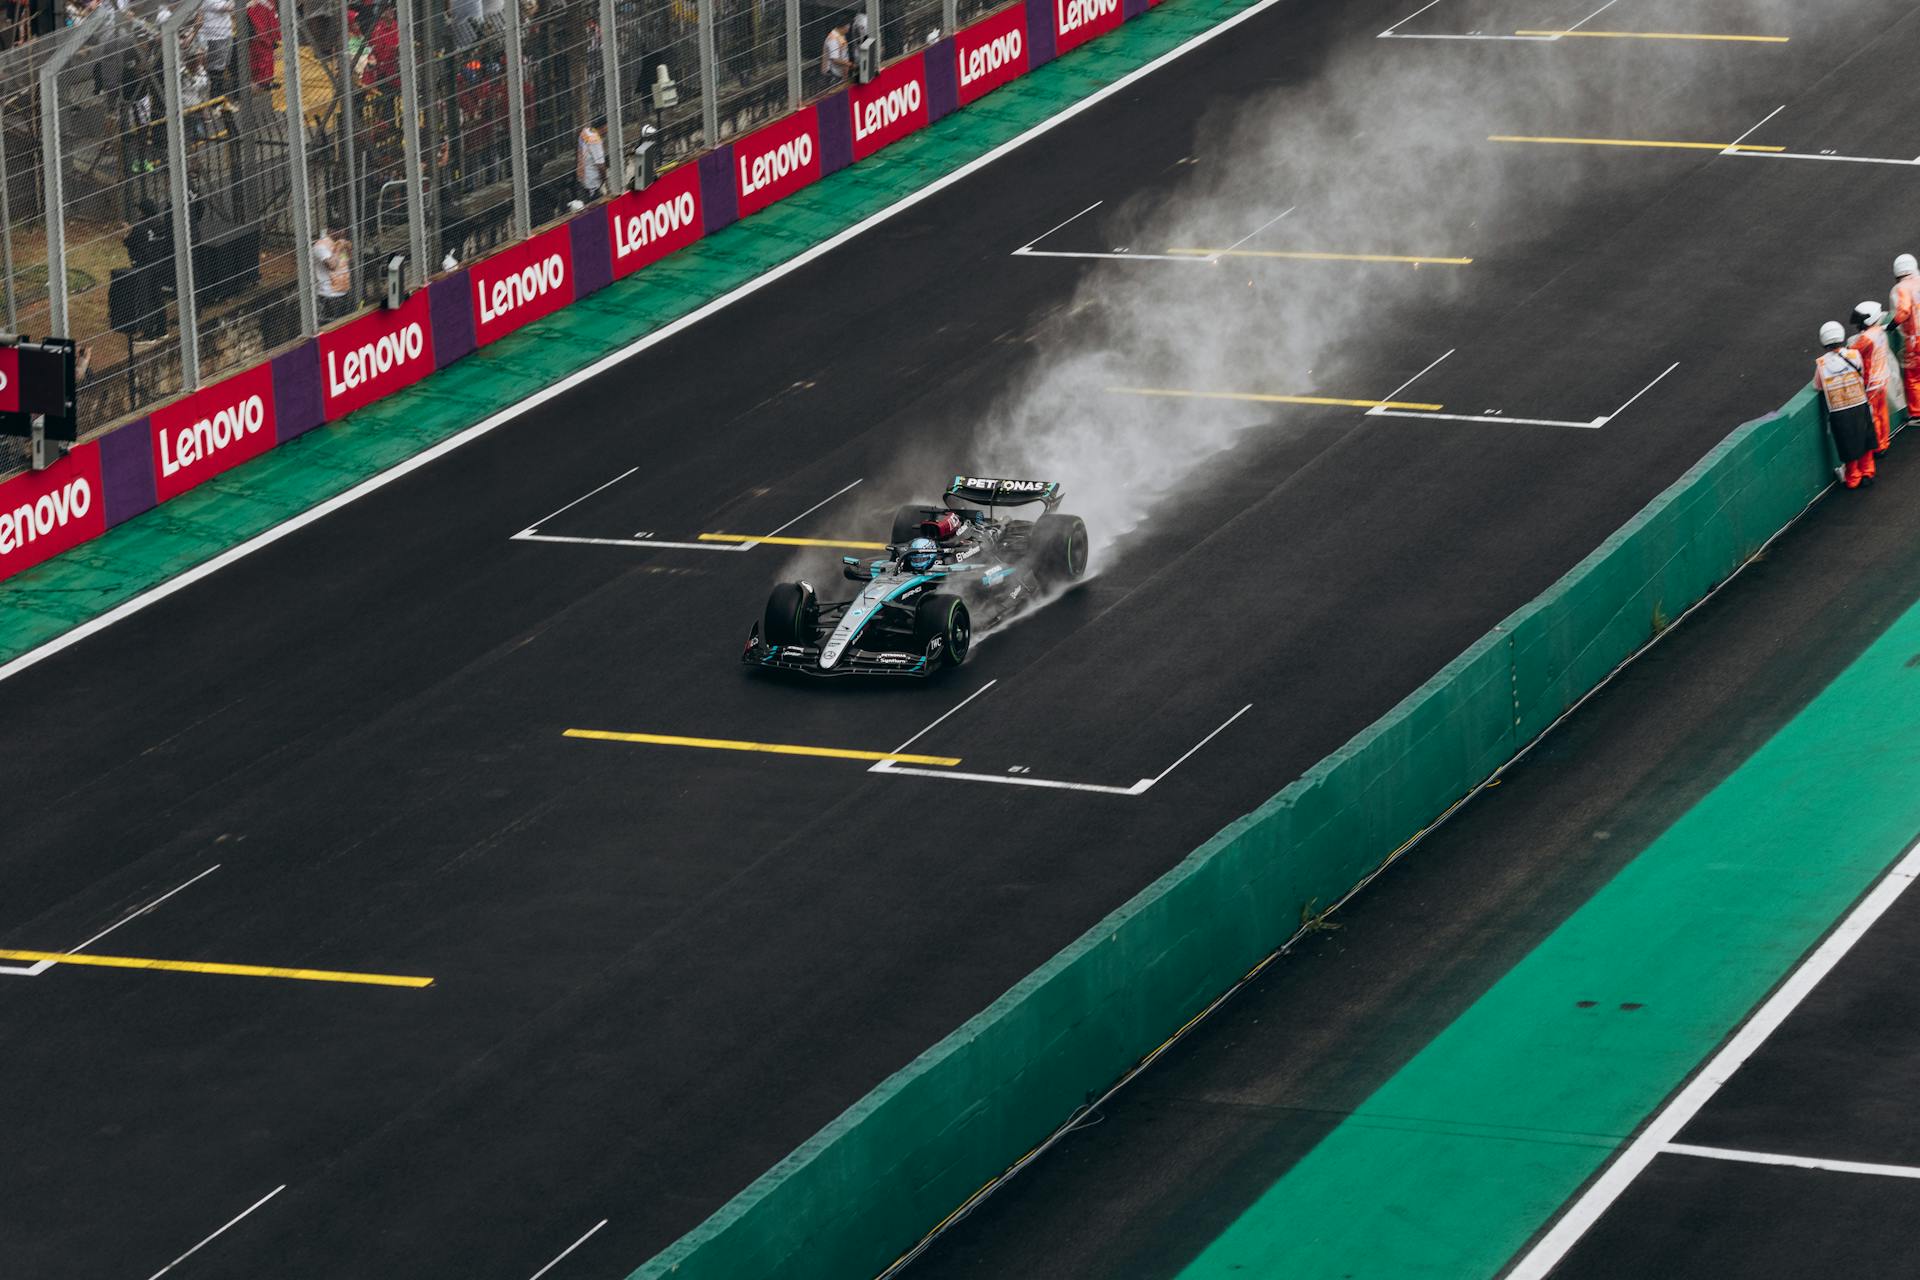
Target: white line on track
(1733, 148)
(572, 380)
(1394, 33)
(1139, 788)
(1395, 393)
(1251, 234)
(528, 535)
(40, 967)
(943, 715)
(1791, 1162)
(1661, 1130)
(1592, 424)
(216, 1235)
(1050, 230)
(1810, 155)
(569, 1249)
(1189, 258)
(1590, 17)
(582, 498)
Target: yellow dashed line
(225, 970)
(775, 748)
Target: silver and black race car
(918, 608)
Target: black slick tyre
(1058, 546)
(792, 615)
(944, 617)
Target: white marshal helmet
(1832, 334)
(1904, 265)
(1867, 313)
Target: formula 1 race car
(917, 611)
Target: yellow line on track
(791, 542)
(1271, 399)
(1635, 142)
(1660, 35)
(775, 748)
(1323, 257)
(225, 970)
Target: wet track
(658, 969)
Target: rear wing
(990, 491)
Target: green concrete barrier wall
(869, 1185)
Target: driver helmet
(921, 554)
(946, 526)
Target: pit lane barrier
(178, 446)
(919, 1149)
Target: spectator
(216, 37)
(263, 23)
(383, 68)
(835, 65)
(332, 274)
(590, 164)
(149, 245)
(193, 95)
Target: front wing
(856, 661)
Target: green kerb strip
(70, 589)
(1454, 1163)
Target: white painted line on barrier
(39, 967)
(216, 1235)
(1791, 1162)
(1139, 788)
(569, 1249)
(577, 501)
(1667, 1123)
(494, 421)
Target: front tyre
(1059, 549)
(945, 618)
(792, 615)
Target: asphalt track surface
(657, 970)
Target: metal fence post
(50, 159)
(410, 149)
(949, 16)
(873, 29)
(347, 126)
(297, 170)
(517, 123)
(6, 229)
(616, 99)
(709, 74)
(183, 299)
(795, 91)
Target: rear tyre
(792, 615)
(1058, 545)
(907, 521)
(947, 618)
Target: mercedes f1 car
(916, 613)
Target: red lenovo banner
(375, 356)
(43, 513)
(648, 225)
(772, 163)
(522, 283)
(9, 380)
(212, 430)
(1077, 21)
(890, 107)
(992, 52)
